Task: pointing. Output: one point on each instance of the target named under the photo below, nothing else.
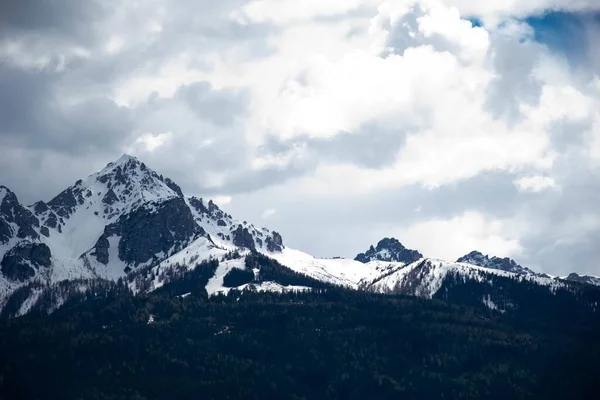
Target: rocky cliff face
(23, 261)
(112, 223)
(16, 221)
(223, 228)
(21, 253)
(148, 234)
(389, 249)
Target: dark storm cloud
(220, 107)
(55, 101)
(348, 224)
(64, 18)
(564, 256)
(58, 123)
(33, 116)
(372, 145)
(565, 225)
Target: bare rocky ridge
(502, 264)
(389, 249)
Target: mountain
(122, 219)
(502, 264)
(128, 223)
(389, 249)
(22, 253)
(590, 280)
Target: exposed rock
(100, 250)
(64, 204)
(52, 221)
(146, 232)
(274, 242)
(40, 207)
(503, 264)
(21, 262)
(6, 231)
(12, 212)
(173, 186)
(198, 205)
(44, 231)
(389, 249)
(590, 280)
(110, 197)
(243, 238)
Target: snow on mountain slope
(424, 277)
(120, 219)
(127, 219)
(215, 284)
(337, 271)
(77, 216)
(221, 226)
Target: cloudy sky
(452, 125)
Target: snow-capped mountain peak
(119, 188)
(127, 220)
(389, 249)
(113, 222)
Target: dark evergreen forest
(330, 343)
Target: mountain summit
(127, 221)
(389, 249)
(502, 264)
(118, 220)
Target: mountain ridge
(128, 222)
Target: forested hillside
(328, 343)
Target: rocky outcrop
(13, 216)
(389, 249)
(66, 202)
(502, 264)
(100, 250)
(243, 238)
(173, 186)
(110, 197)
(590, 280)
(148, 231)
(21, 262)
(274, 242)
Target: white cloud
(114, 45)
(536, 183)
(152, 142)
(268, 213)
(222, 200)
(318, 71)
(289, 11)
(449, 239)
